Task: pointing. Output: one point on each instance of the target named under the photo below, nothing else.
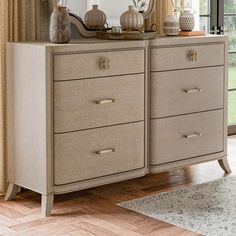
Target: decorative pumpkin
(132, 19)
(95, 18)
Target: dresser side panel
(27, 116)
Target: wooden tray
(192, 33)
(129, 35)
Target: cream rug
(208, 209)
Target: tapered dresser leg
(46, 204)
(11, 191)
(224, 164)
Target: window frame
(216, 17)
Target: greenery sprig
(141, 5)
(62, 3)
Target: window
(219, 17)
(205, 6)
(230, 30)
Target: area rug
(208, 209)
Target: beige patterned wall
(20, 20)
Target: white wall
(78, 7)
(112, 8)
(196, 9)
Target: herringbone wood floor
(94, 212)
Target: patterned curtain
(20, 20)
(162, 9)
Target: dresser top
(91, 44)
(87, 44)
(180, 40)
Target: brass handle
(105, 101)
(104, 63)
(105, 151)
(192, 55)
(195, 135)
(194, 90)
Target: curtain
(162, 9)
(20, 20)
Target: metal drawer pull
(105, 151)
(195, 135)
(104, 63)
(192, 55)
(105, 101)
(195, 90)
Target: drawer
(92, 103)
(100, 152)
(188, 136)
(78, 66)
(187, 57)
(186, 91)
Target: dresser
(188, 115)
(95, 112)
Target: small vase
(132, 19)
(60, 31)
(171, 26)
(186, 21)
(95, 18)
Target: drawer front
(186, 57)
(95, 153)
(92, 103)
(188, 136)
(186, 91)
(78, 66)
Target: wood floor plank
(4, 230)
(95, 230)
(109, 224)
(6, 221)
(10, 213)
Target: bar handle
(194, 90)
(194, 135)
(105, 151)
(105, 101)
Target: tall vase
(132, 19)
(95, 18)
(60, 31)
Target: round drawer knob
(104, 63)
(192, 55)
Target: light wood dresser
(95, 112)
(188, 101)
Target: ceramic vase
(60, 31)
(171, 26)
(132, 19)
(187, 21)
(95, 18)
